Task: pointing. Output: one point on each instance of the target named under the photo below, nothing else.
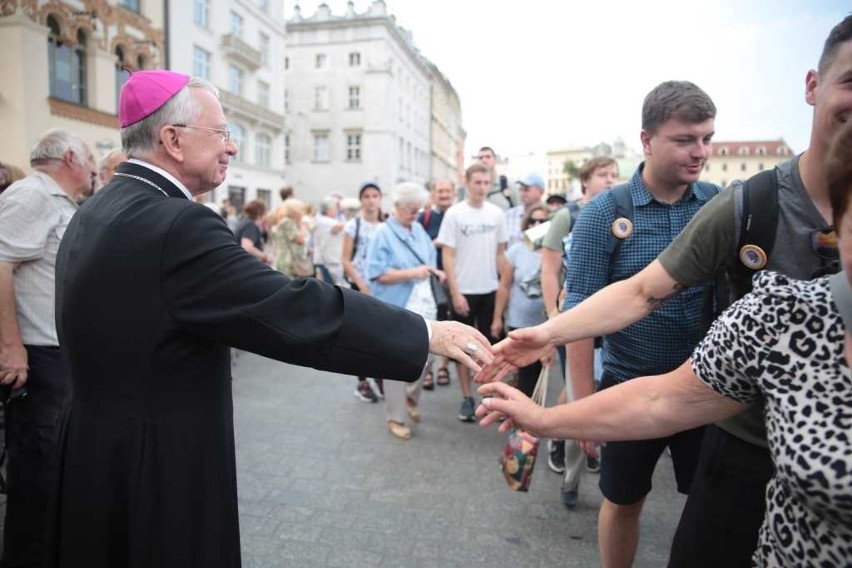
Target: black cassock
(152, 289)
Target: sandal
(428, 383)
(443, 376)
(401, 431)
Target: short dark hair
(676, 99)
(475, 168)
(838, 173)
(489, 148)
(840, 33)
(286, 192)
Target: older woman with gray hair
(400, 259)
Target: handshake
(490, 362)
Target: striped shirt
(34, 213)
(665, 339)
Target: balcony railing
(238, 50)
(251, 111)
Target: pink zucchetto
(145, 92)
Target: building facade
(739, 160)
(359, 105)
(238, 45)
(63, 65)
(562, 181)
(447, 134)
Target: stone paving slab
(322, 483)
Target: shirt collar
(52, 187)
(163, 173)
(641, 196)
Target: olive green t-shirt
(560, 227)
(709, 243)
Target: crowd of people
(676, 324)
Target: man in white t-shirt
(473, 239)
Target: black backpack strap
(758, 223)
(355, 240)
(623, 209)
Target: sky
(543, 75)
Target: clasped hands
(491, 364)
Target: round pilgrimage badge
(622, 228)
(753, 257)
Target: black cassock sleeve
(216, 290)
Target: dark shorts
(481, 313)
(726, 505)
(628, 467)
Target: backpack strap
(758, 217)
(619, 230)
(355, 240)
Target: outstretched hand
(521, 348)
(511, 406)
(462, 343)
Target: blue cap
(532, 180)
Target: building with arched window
(63, 66)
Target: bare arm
(396, 275)
(634, 299)
(609, 310)
(13, 356)
(459, 302)
(249, 247)
(551, 267)
(642, 408)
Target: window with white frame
(286, 63)
(354, 59)
(353, 146)
(263, 150)
(200, 63)
(235, 80)
(286, 100)
(321, 61)
(354, 97)
(238, 136)
(263, 93)
(287, 148)
(321, 98)
(236, 25)
(321, 146)
(263, 46)
(201, 13)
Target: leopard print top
(784, 342)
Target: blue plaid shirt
(664, 339)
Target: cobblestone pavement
(322, 484)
